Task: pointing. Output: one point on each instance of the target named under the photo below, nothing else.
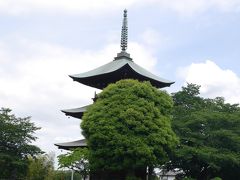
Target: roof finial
(124, 39)
(124, 35)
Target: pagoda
(122, 67)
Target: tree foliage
(128, 128)
(209, 132)
(65, 175)
(76, 160)
(16, 135)
(41, 167)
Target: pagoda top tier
(122, 67)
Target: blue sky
(42, 42)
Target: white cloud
(183, 7)
(34, 82)
(190, 7)
(69, 6)
(214, 81)
(151, 36)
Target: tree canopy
(41, 167)
(77, 160)
(16, 135)
(128, 128)
(209, 132)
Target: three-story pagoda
(122, 67)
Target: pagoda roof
(72, 144)
(120, 68)
(76, 112)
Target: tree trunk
(204, 174)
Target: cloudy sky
(43, 41)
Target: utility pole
(72, 174)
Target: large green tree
(16, 135)
(128, 129)
(209, 132)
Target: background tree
(65, 174)
(16, 134)
(209, 132)
(127, 129)
(41, 167)
(76, 160)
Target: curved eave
(145, 73)
(117, 70)
(104, 69)
(71, 145)
(75, 112)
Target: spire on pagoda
(124, 38)
(124, 34)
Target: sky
(42, 42)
